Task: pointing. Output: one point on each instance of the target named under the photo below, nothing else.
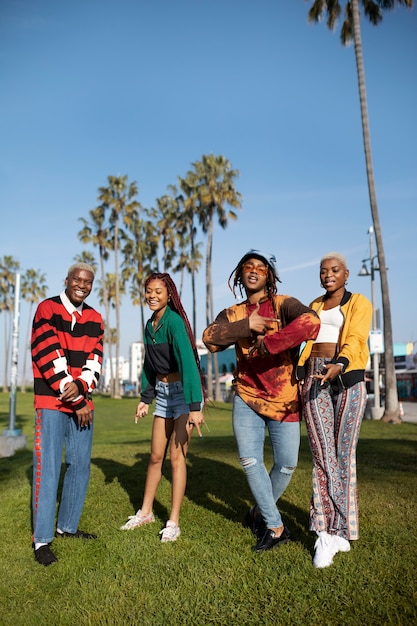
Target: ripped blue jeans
(250, 428)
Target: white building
(136, 358)
(124, 368)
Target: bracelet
(342, 367)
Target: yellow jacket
(353, 339)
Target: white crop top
(331, 323)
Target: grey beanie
(267, 257)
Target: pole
(375, 355)
(12, 439)
(15, 355)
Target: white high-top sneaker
(325, 549)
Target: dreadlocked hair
(174, 303)
(270, 286)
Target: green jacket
(168, 349)
(353, 339)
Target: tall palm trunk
(391, 399)
(107, 314)
(193, 287)
(117, 394)
(212, 361)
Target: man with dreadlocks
(172, 374)
(267, 330)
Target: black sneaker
(80, 534)
(270, 540)
(255, 522)
(45, 556)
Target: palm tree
(108, 290)
(97, 232)
(8, 268)
(140, 255)
(214, 187)
(189, 259)
(167, 223)
(87, 257)
(33, 290)
(118, 197)
(351, 30)
(179, 250)
(188, 199)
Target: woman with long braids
(331, 371)
(266, 330)
(172, 374)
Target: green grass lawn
(210, 575)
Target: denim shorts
(170, 401)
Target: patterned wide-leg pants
(333, 418)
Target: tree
(140, 252)
(33, 290)
(167, 223)
(189, 260)
(108, 290)
(97, 232)
(87, 257)
(213, 182)
(351, 31)
(119, 198)
(179, 250)
(8, 268)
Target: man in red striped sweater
(67, 353)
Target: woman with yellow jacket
(331, 371)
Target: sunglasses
(261, 270)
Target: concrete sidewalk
(410, 412)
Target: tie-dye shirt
(266, 383)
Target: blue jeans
(170, 401)
(249, 428)
(53, 430)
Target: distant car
(129, 389)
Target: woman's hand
(196, 418)
(333, 371)
(141, 411)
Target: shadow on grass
(212, 484)
(21, 422)
(388, 454)
(220, 486)
(12, 465)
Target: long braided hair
(174, 302)
(237, 275)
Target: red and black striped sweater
(66, 346)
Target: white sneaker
(171, 532)
(137, 520)
(341, 543)
(325, 549)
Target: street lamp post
(377, 412)
(12, 438)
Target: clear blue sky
(144, 88)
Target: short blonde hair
(81, 266)
(334, 255)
